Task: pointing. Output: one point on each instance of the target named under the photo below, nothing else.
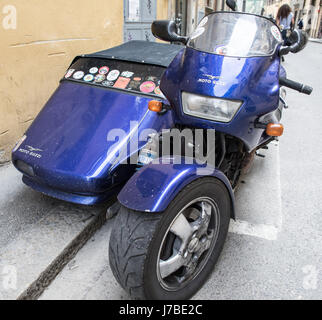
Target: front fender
(153, 187)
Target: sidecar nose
(67, 148)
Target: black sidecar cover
(160, 54)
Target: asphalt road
(34, 230)
(274, 248)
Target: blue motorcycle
(169, 129)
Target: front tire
(170, 255)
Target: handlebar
(300, 87)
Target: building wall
(37, 50)
(308, 10)
(272, 7)
(312, 17)
(162, 9)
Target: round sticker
(127, 74)
(78, 75)
(93, 70)
(69, 73)
(147, 86)
(104, 70)
(99, 77)
(198, 32)
(157, 90)
(221, 50)
(113, 75)
(108, 83)
(276, 33)
(151, 78)
(134, 85)
(88, 78)
(203, 22)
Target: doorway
(138, 16)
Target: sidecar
(66, 153)
(99, 135)
(84, 147)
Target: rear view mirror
(166, 30)
(297, 42)
(231, 4)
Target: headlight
(209, 108)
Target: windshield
(236, 34)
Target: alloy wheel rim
(187, 244)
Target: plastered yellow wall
(35, 55)
(162, 9)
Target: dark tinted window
(116, 74)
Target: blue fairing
(72, 130)
(254, 80)
(153, 187)
(75, 161)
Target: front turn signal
(274, 129)
(155, 106)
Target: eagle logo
(32, 149)
(211, 77)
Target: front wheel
(170, 255)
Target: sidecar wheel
(170, 255)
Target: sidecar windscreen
(118, 75)
(236, 34)
(135, 66)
